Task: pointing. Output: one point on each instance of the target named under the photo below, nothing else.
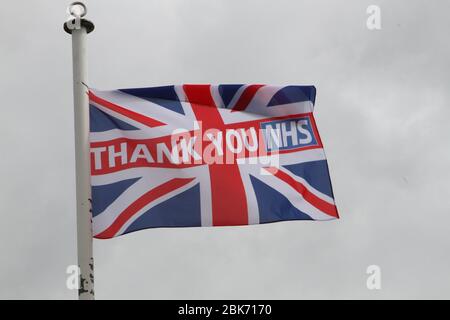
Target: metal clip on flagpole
(79, 27)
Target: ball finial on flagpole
(77, 10)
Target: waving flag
(203, 155)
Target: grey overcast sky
(383, 110)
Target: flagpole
(79, 27)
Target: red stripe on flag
(125, 112)
(140, 203)
(229, 202)
(314, 200)
(246, 97)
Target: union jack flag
(205, 155)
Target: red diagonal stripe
(141, 202)
(246, 97)
(314, 200)
(125, 112)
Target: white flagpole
(79, 27)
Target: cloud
(381, 109)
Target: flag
(205, 155)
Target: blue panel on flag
(292, 94)
(164, 96)
(182, 210)
(104, 195)
(100, 121)
(227, 92)
(315, 173)
(273, 206)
